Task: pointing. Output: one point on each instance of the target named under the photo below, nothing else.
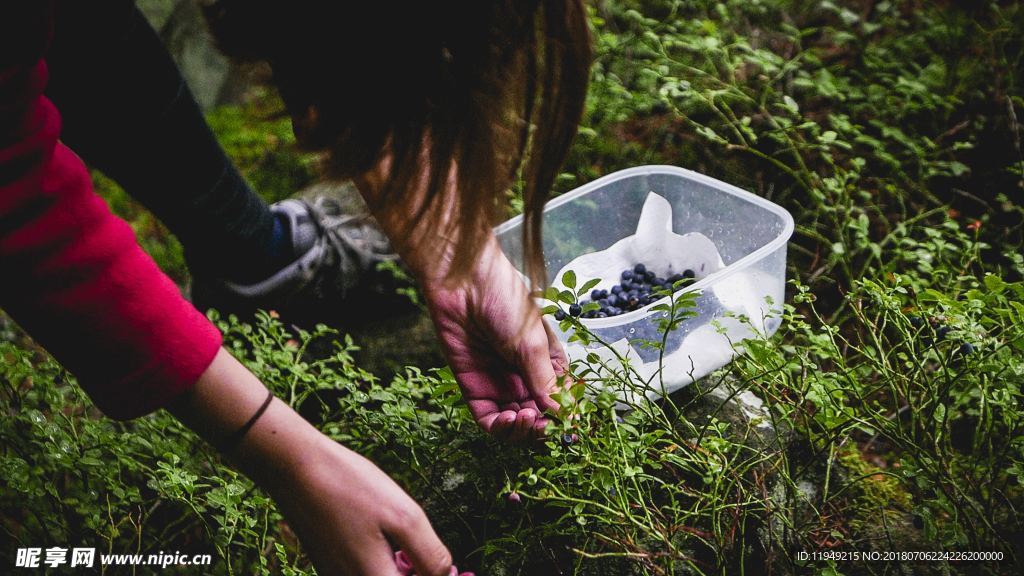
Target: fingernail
(402, 563)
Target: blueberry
(688, 274)
(966, 348)
(604, 293)
(675, 278)
(569, 439)
(575, 309)
(650, 276)
(611, 491)
(613, 311)
(640, 269)
(559, 315)
(633, 303)
(603, 302)
(659, 281)
(941, 331)
(595, 294)
(612, 300)
(601, 315)
(616, 289)
(916, 321)
(627, 274)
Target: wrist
(279, 449)
(424, 244)
(224, 401)
(486, 261)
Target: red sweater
(73, 275)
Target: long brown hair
(491, 91)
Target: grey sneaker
(337, 276)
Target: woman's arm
(77, 281)
(345, 510)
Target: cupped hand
(503, 355)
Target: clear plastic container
(749, 232)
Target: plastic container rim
(776, 243)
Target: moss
(260, 141)
(152, 235)
(879, 505)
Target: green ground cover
(890, 129)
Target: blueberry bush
(892, 416)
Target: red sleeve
(73, 275)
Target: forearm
(226, 396)
(425, 245)
(346, 512)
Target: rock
(741, 409)
(212, 77)
(749, 422)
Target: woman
(428, 108)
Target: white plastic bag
(688, 356)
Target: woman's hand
(347, 513)
(503, 355)
(345, 510)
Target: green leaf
(994, 283)
(791, 104)
(551, 294)
(567, 297)
(569, 279)
(588, 285)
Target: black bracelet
(231, 441)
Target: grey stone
(213, 78)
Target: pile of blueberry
(637, 289)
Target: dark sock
(279, 253)
(280, 241)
